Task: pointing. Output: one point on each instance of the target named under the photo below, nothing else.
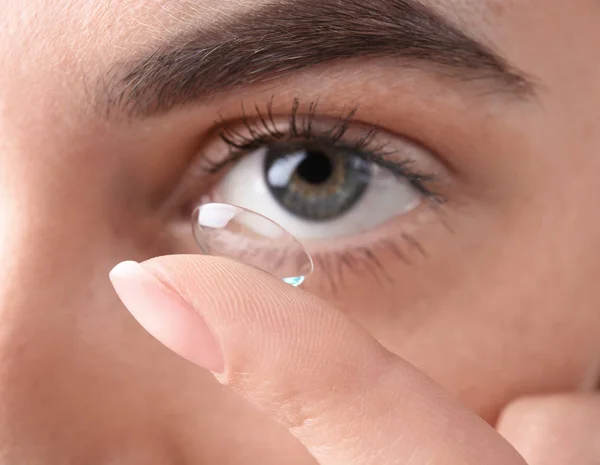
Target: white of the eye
(385, 198)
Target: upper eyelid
(296, 119)
(335, 134)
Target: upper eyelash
(262, 130)
(265, 129)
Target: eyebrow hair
(287, 36)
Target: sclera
(243, 235)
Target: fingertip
(125, 268)
(166, 315)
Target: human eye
(332, 182)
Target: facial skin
(498, 301)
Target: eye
(358, 197)
(320, 178)
(317, 189)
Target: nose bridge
(40, 258)
(55, 252)
(55, 299)
(60, 333)
(72, 359)
(36, 331)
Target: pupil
(316, 168)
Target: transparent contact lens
(234, 232)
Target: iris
(314, 181)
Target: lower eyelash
(334, 266)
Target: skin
(493, 332)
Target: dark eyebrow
(279, 38)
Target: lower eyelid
(378, 260)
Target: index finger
(345, 397)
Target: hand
(345, 397)
(554, 430)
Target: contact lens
(243, 235)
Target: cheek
(486, 351)
(490, 320)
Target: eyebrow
(288, 36)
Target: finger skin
(554, 430)
(346, 398)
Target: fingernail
(166, 315)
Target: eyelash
(262, 131)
